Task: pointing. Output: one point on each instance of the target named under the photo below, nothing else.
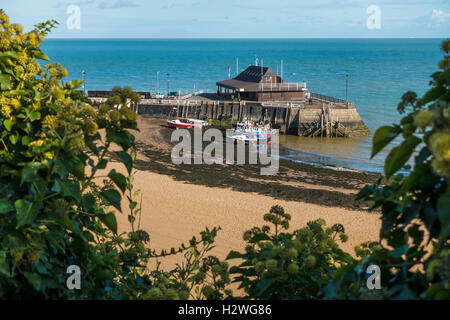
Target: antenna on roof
(237, 66)
(281, 69)
(256, 60)
(229, 72)
(262, 66)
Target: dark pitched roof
(238, 84)
(249, 78)
(255, 74)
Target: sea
(379, 72)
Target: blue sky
(237, 18)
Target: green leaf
(443, 212)
(5, 82)
(26, 211)
(10, 54)
(113, 197)
(119, 179)
(110, 221)
(71, 188)
(40, 55)
(29, 171)
(88, 202)
(14, 139)
(8, 124)
(263, 284)
(400, 155)
(126, 159)
(5, 205)
(399, 251)
(234, 255)
(382, 137)
(4, 265)
(121, 138)
(88, 235)
(35, 115)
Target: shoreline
(317, 183)
(179, 201)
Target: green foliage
(53, 214)
(123, 97)
(282, 265)
(414, 250)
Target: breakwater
(290, 118)
(318, 116)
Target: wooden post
(321, 120)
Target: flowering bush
(53, 213)
(414, 251)
(281, 265)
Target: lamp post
(83, 77)
(346, 87)
(157, 82)
(168, 84)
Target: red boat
(179, 123)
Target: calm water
(380, 71)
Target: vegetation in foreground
(53, 214)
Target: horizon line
(249, 38)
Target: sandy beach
(180, 201)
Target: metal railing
(324, 98)
(283, 105)
(282, 86)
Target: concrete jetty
(317, 116)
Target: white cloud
(440, 15)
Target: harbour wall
(289, 118)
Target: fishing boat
(198, 123)
(185, 122)
(241, 138)
(252, 131)
(179, 123)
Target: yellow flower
(90, 112)
(37, 106)
(4, 43)
(91, 128)
(6, 111)
(440, 145)
(50, 122)
(17, 40)
(441, 167)
(18, 256)
(37, 143)
(18, 29)
(4, 17)
(64, 73)
(424, 119)
(15, 103)
(49, 155)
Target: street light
(346, 87)
(157, 82)
(83, 77)
(168, 84)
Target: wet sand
(180, 201)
